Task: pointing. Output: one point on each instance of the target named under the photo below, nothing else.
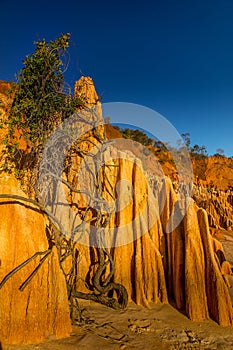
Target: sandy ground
(161, 327)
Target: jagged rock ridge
(217, 203)
(157, 266)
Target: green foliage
(40, 101)
(39, 94)
(1, 103)
(186, 138)
(196, 151)
(137, 135)
(219, 153)
(199, 152)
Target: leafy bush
(39, 99)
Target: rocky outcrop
(217, 203)
(154, 264)
(41, 309)
(4, 86)
(197, 285)
(214, 172)
(219, 304)
(156, 257)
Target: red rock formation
(41, 309)
(217, 203)
(4, 87)
(200, 288)
(218, 298)
(150, 262)
(85, 90)
(155, 265)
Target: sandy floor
(162, 327)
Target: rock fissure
(185, 266)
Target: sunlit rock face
(4, 87)
(41, 309)
(218, 204)
(181, 265)
(85, 91)
(153, 264)
(190, 267)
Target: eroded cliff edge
(182, 266)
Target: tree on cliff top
(40, 97)
(40, 102)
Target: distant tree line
(196, 151)
(199, 151)
(141, 137)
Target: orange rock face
(218, 204)
(4, 86)
(193, 270)
(214, 172)
(182, 265)
(41, 309)
(153, 264)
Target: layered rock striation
(217, 203)
(179, 265)
(162, 250)
(41, 308)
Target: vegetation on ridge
(40, 100)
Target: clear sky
(174, 56)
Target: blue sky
(174, 56)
